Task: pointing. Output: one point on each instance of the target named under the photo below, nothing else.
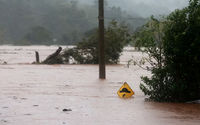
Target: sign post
(125, 91)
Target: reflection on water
(37, 94)
(181, 111)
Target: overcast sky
(147, 8)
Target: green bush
(178, 79)
(86, 52)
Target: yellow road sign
(125, 91)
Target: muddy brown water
(37, 94)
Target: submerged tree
(177, 79)
(86, 52)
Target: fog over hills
(145, 8)
(66, 21)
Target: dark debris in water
(28, 114)
(4, 121)
(67, 110)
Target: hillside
(54, 22)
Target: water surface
(37, 94)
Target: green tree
(150, 38)
(178, 79)
(86, 52)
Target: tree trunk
(54, 58)
(37, 57)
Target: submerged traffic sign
(125, 91)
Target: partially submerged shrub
(177, 77)
(86, 52)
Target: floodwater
(37, 94)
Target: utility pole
(102, 72)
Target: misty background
(146, 8)
(35, 22)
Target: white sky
(147, 7)
(171, 4)
(152, 7)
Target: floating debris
(67, 110)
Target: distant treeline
(29, 22)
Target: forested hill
(54, 21)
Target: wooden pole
(102, 73)
(51, 59)
(37, 57)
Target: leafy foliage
(150, 38)
(182, 52)
(177, 78)
(86, 52)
